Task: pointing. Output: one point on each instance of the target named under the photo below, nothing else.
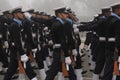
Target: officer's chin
(21, 18)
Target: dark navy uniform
(16, 49)
(3, 34)
(61, 37)
(101, 32)
(112, 34)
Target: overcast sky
(85, 9)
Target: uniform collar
(70, 20)
(103, 17)
(113, 14)
(18, 21)
(59, 19)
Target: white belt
(94, 32)
(5, 24)
(33, 35)
(0, 36)
(13, 44)
(23, 43)
(111, 39)
(8, 33)
(57, 46)
(102, 38)
(90, 31)
(47, 33)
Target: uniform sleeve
(71, 41)
(54, 32)
(58, 36)
(89, 27)
(39, 20)
(27, 27)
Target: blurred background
(84, 9)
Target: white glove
(119, 59)
(27, 15)
(6, 44)
(119, 62)
(47, 32)
(0, 36)
(24, 58)
(33, 35)
(74, 52)
(68, 60)
(45, 28)
(34, 52)
(74, 26)
(23, 43)
(79, 50)
(50, 42)
(76, 30)
(39, 47)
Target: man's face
(118, 11)
(73, 17)
(107, 13)
(20, 15)
(9, 16)
(64, 15)
(33, 14)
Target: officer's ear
(14, 15)
(56, 14)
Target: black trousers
(57, 67)
(88, 38)
(41, 56)
(39, 59)
(78, 60)
(100, 60)
(94, 45)
(118, 78)
(109, 65)
(3, 56)
(71, 73)
(13, 65)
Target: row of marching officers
(53, 44)
(104, 36)
(32, 38)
